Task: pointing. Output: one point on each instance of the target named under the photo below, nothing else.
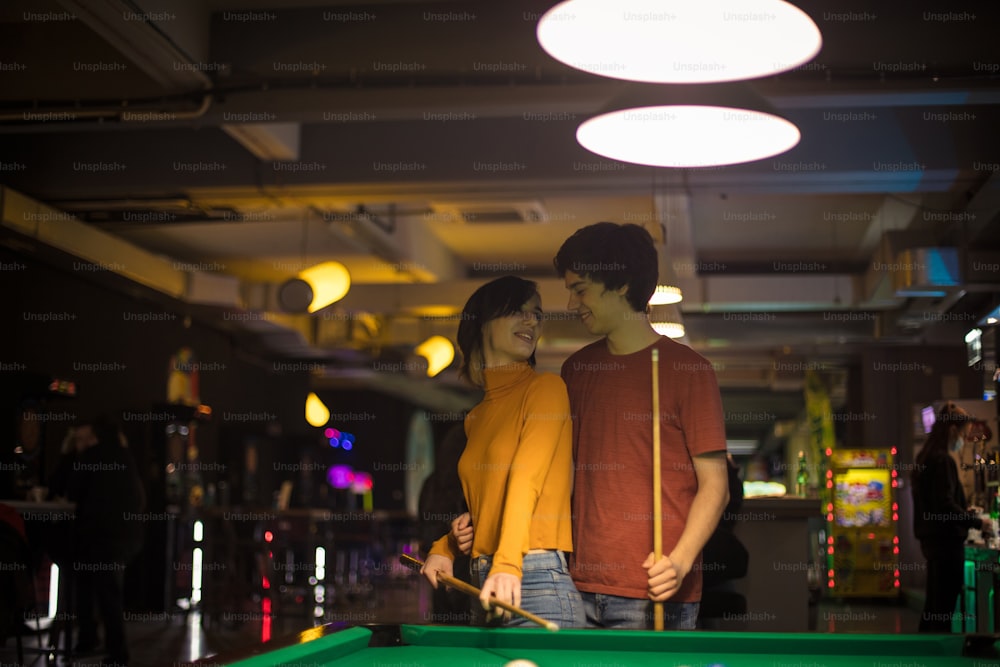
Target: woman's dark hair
(937, 440)
(497, 298)
(613, 255)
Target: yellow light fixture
(679, 41)
(670, 329)
(666, 294)
(330, 282)
(439, 353)
(667, 321)
(317, 414)
(688, 126)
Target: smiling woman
(516, 470)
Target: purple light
(328, 433)
(347, 445)
(334, 442)
(340, 477)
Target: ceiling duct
(480, 213)
(366, 231)
(143, 42)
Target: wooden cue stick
(657, 493)
(459, 585)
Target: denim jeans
(547, 590)
(612, 611)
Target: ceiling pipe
(122, 113)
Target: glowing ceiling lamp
(670, 329)
(330, 282)
(688, 126)
(666, 294)
(667, 321)
(317, 414)
(679, 41)
(439, 353)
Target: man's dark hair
(613, 255)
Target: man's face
(601, 310)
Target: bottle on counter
(995, 515)
(802, 477)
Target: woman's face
(513, 338)
(961, 435)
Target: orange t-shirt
(610, 396)
(517, 468)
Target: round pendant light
(679, 41)
(688, 126)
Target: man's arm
(667, 575)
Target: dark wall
(115, 342)
(117, 348)
(66, 323)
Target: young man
(611, 272)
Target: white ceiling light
(679, 41)
(688, 126)
(666, 294)
(667, 321)
(669, 329)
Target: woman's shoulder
(547, 380)
(547, 387)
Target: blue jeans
(613, 611)
(547, 590)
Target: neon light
(265, 627)
(196, 575)
(53, 590)
(199, 531)
(320, 563)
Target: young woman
(517, 467)
(941, 518)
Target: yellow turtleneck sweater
(517, 467)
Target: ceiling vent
(496, 213)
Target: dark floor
(168, 640)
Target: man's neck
(633, 335)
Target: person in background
(517, 468)
(441, 501)
(941, 520)
(108, 533)
(724, 558)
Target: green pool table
(437, 646)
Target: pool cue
(459, 585)
(657, 493)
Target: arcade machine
(862, 513)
